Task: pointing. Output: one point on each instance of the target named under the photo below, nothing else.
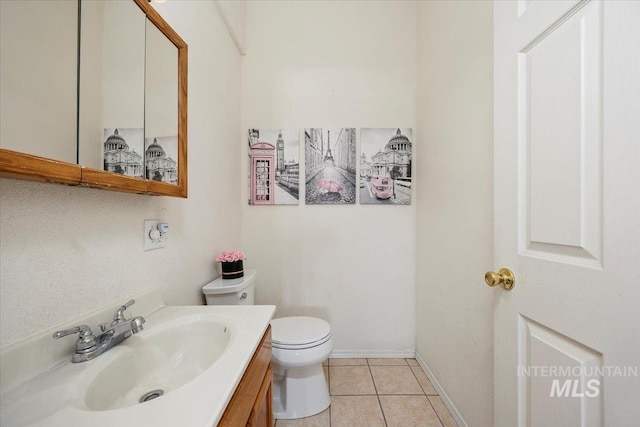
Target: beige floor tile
(395, 380)
(323, 419)
(409, 411)
(356, 411)
(413, 362)
(350, 380)
(443, 412)
(387, 362)
(347, 362)
(423, 380)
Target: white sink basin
(154, 364)
(195, 355)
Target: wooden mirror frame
(14, 164)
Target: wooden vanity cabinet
(262, 412)
(251, 404)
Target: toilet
(299, 346)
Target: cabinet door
(254, 386)
(262, 412)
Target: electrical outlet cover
(149, 243)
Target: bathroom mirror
(132, 85)
(161, 108)
(112, 75)
(38, 74)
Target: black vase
(232, 270)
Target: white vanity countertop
(57, 397)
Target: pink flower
(230, 256)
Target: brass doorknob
(504, 277)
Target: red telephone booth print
(262, 158)
(263, 183)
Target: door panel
(567, 212)
(560, 104)
(553, 367)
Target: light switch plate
(149, 243)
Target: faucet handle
(118, 316)
(86, 339)
(83, 330)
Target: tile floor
(378, 392)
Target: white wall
(66, 250)
(455, 202)
(333, 64)
(234, 13)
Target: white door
(567, 213)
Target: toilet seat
(299, 332)
(301, 346)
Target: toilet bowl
(299, 346)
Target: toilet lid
(298, 330)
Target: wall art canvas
(274, 166)
(161, 158)
(330, 166)
(123, 151)
(385, 166)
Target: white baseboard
(443, 394)
(378, 354)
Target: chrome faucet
(88, 346)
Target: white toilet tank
(238, 291)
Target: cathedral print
(123, 151)
(274, 166)
(385, 166)
(161, 159)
